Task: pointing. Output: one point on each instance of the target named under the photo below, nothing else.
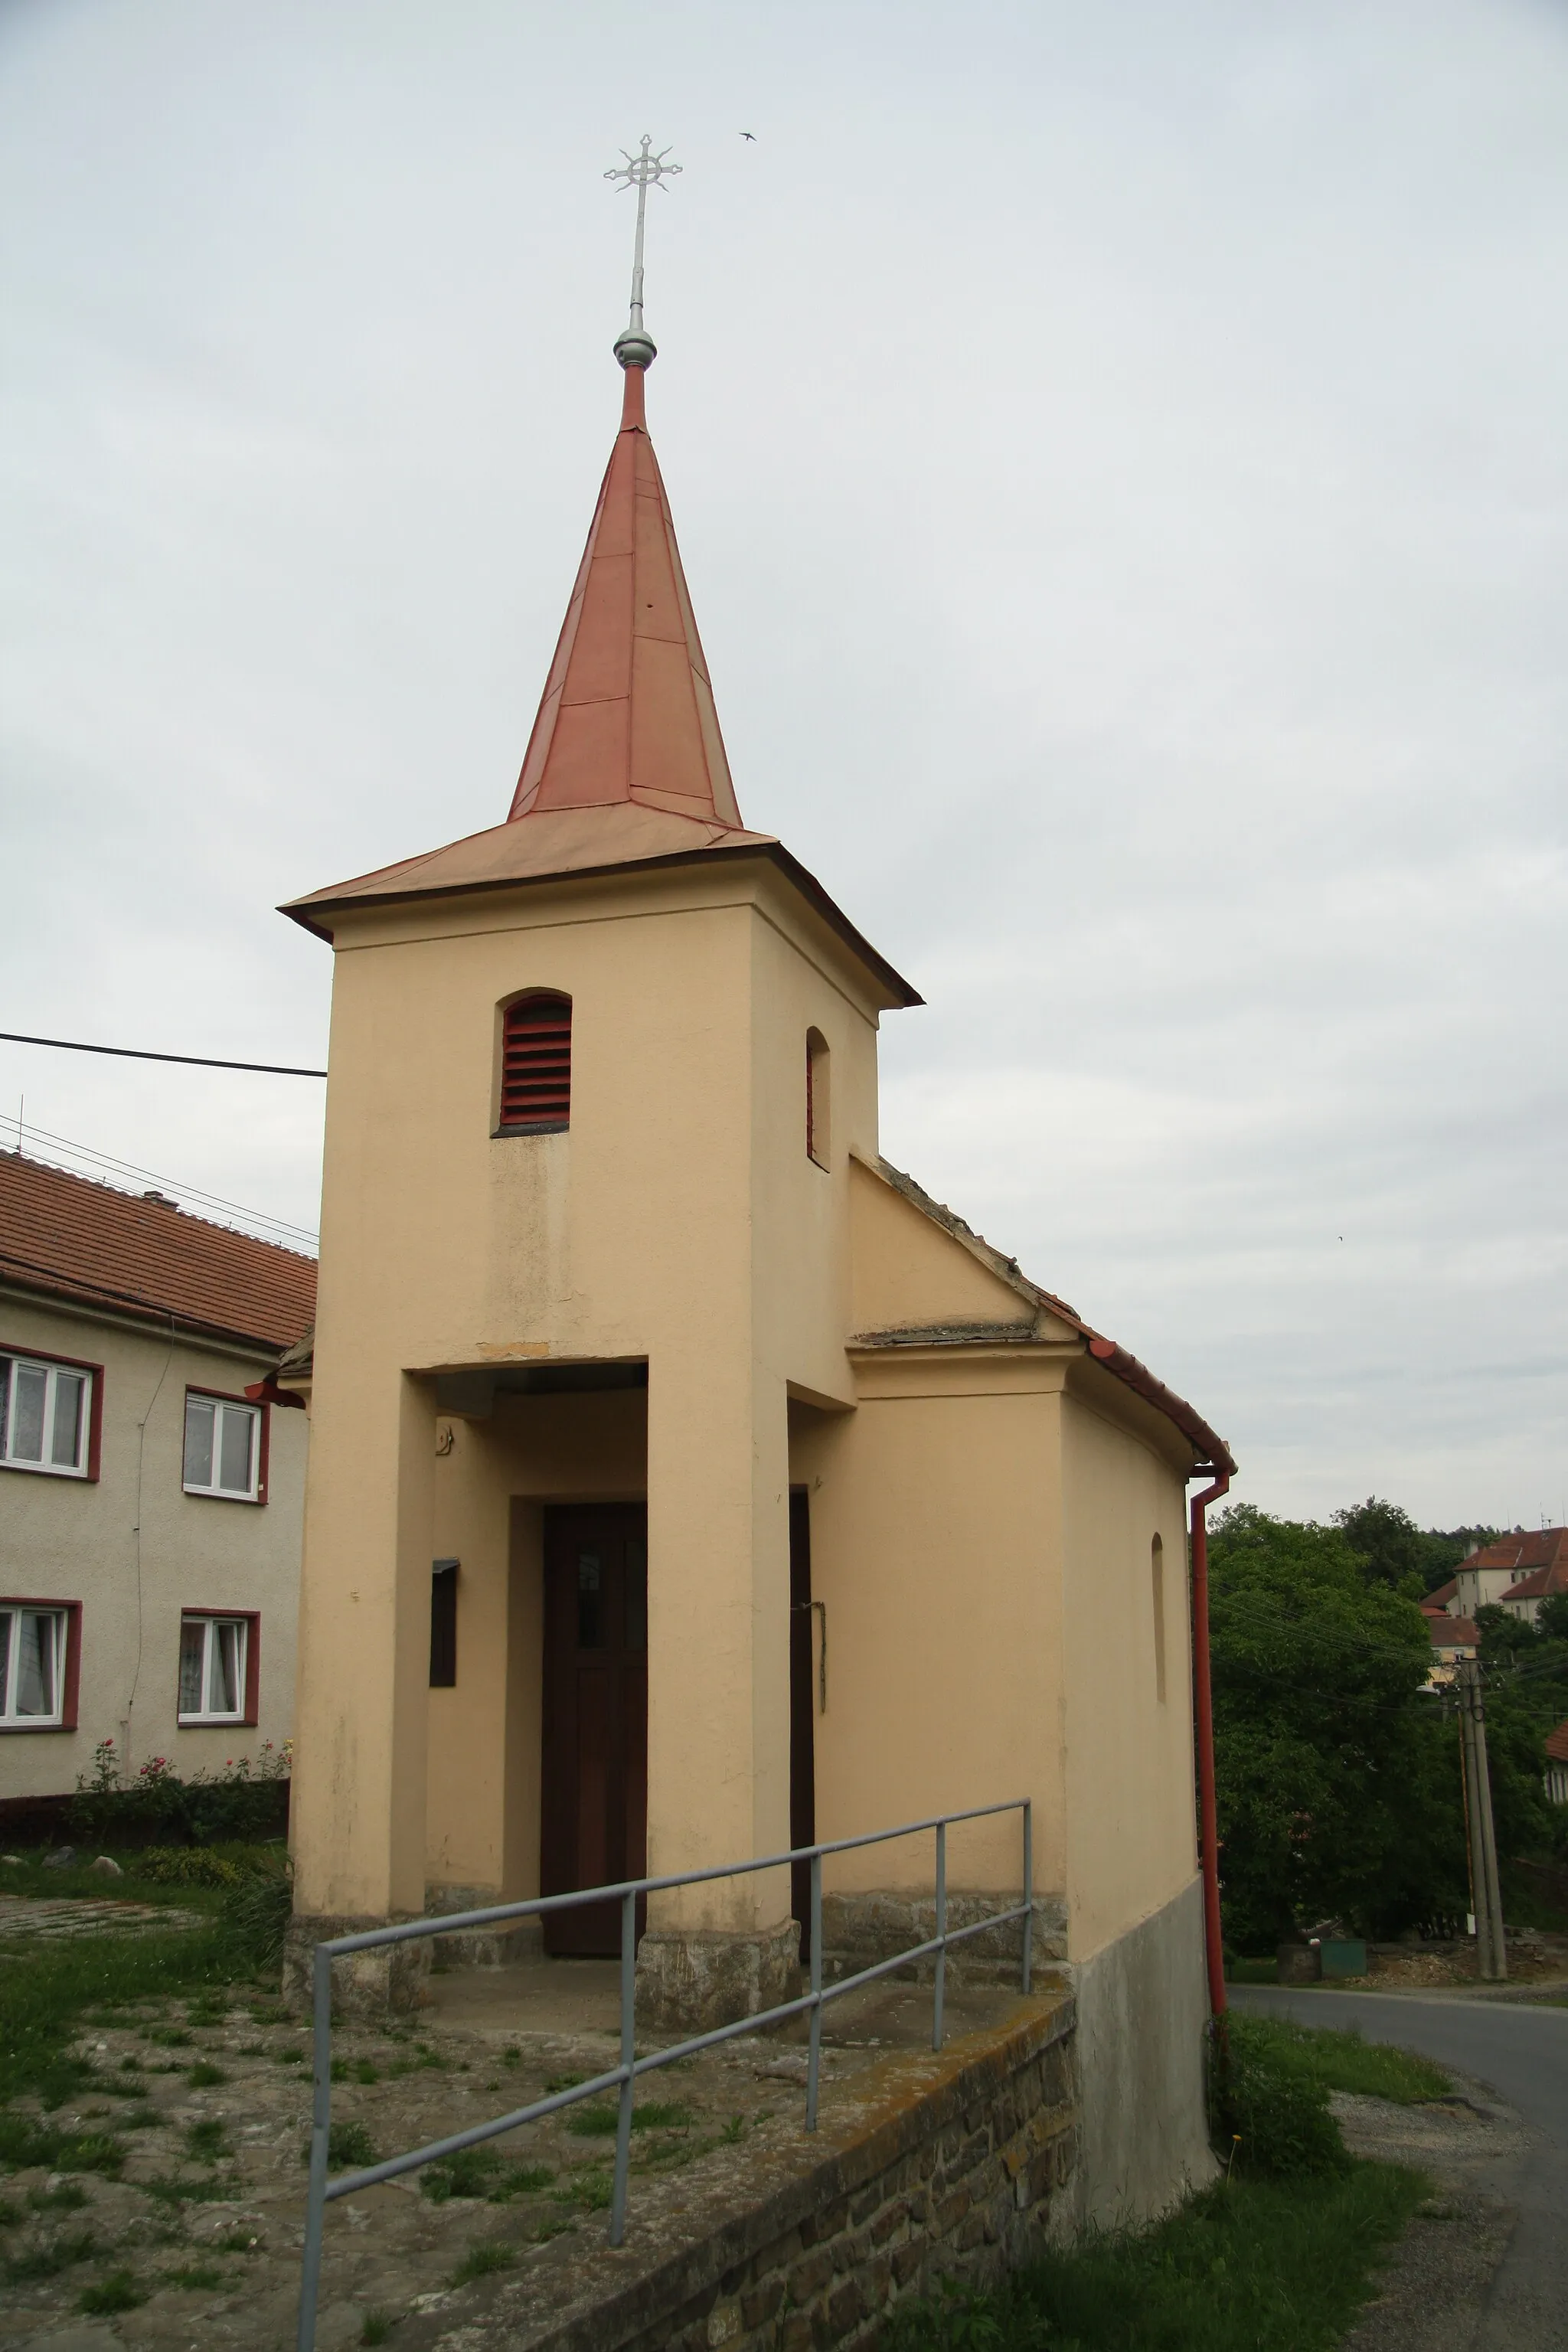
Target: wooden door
(595, 1715)
(801, 1711)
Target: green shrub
(1270, 2115)
(349, 2146)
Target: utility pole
(1486, 1892)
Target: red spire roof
(627, 713)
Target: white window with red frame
(46, 1414)
(39, 1647)
(225, 1447)
(219, 1666)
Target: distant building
(151, 1482)
(1515, 1573)
(1557, 1765)
(1453, 1638)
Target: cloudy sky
(1118, 454)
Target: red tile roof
(1523, 1550)
(1540, 1584)
(68, 1237)
(1557, 1744)
(1442, 1596)
(1454, 1632)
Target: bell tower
(596, 1076)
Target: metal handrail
(322, 2192)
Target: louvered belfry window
(536, 1065)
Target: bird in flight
(751, 135)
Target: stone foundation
(367, 1987)
(859, 1929)
(691, 1979)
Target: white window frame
(208, 1626)
(14, 1360)
(11, 1615)
(219, 1406)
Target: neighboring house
(1557, 1765)
(1453, 1638)
(686, 1484)
(151, 1482)
(1515, 1573)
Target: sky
(1119, 463)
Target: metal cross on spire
(643, 171)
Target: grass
(481, 2260)
(118, 2292)
(25, 2142)
(207, 2141)
(1265, 2266)
(482, 2172)
(204, 2075)
(198, 2277)
(1238, 1971)
(595, 2122)
(48, 2261)
(348, 2146)
(68, 2196)
(1338, 2060)
(47, 1993)
(375, 2327)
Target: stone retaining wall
(957, 2166)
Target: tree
(1395, 1552)
(1338, 1778)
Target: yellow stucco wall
(981, 1516)
(1132, 1836)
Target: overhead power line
(145, 1054)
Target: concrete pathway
(1521, 2053)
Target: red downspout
(1202, 1717)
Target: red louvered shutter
(536, 1065)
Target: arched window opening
(536, 1067)
(818, 1097)
(1157, 1592)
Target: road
(1523, 2055)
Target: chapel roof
(625, 766)
(1208, 1446)
(69, 1237)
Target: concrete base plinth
(510, 1944)
(387, 1981)
(690, 1979)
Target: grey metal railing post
(320, 2134)
(629, 2058)
(1028, 1895)
(941, 1933)
(813, 2063)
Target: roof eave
(903, 993)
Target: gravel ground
(205, 2222)
(1433, 2292)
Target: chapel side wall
(1129, 1768)
(75, 1539)
(486, 1731)
(934, 1519)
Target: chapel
(685, 1484)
